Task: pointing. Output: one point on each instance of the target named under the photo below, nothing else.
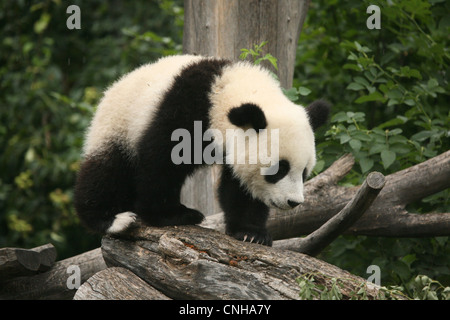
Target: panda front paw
(254, 236)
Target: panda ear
(318, 112)
(248, 114)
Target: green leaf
(366, 164)
(362, 81)
(388, 158)
(291, 94)
(339, 117)
(422, 135)
(352, 67)
(377, 148)
(375, 96)
(355, 144)
(42, 23)
(432, 83)
(394, 94)
(355, 86)
(393, 122)
(344, 138)
(362, 136)
(304, 91)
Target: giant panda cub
(128, 168)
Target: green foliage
(51, 79)
(256, 54)
(389, 89)
(420, 288)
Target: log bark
(53, 283)
(117, 284)
(387, 215)
(190, 262)
(16, 262)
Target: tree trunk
(221, 28)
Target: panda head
(247, 97)
(287, 135)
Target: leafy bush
(389, 90)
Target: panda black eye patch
(248, 114)
(283, 170)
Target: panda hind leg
(161, 208)
(161, 215)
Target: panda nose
(293, 204)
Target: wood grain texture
(117, 284)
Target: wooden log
(16, 262)
(117, 284)
(53, 284)
(190, 262)
(47, 256)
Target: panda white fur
(127, 168)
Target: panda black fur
(127, 168)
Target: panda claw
(245, 238)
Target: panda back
(129, 104)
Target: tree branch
(315, 242)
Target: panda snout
(293, 204)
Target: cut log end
(376, 180)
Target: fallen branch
(315, 242)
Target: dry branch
(315, 242)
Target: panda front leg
(245, 217)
